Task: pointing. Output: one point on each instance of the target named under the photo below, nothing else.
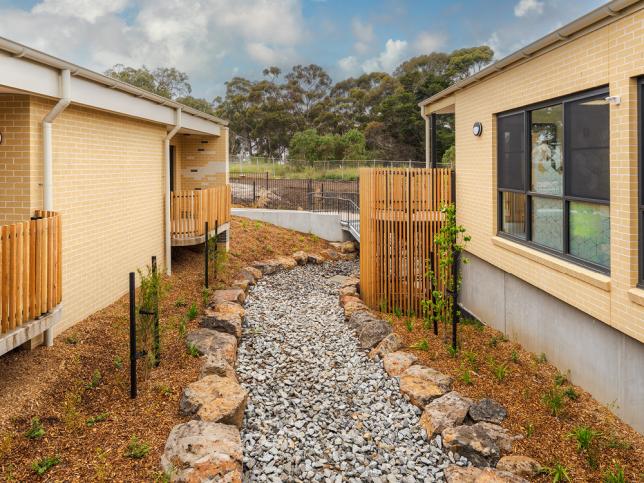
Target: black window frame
(640, 177)
(564, 254)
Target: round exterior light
(477, 128)
(0, 137)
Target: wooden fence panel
(189, 210)
(399, 218)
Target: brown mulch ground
(528, 377)
(55, 384)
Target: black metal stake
(454, 298)
(206, 249)
(216, 243)
(133, 389)
(157, 334)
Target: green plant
(193, 351)
(529, 430)
(43, 465)
(584, 437)
(95, 380)
(466, 377)
(382, 305)
(541, 358)
(397, 312)
(71, 340)
(99, 418)
(137, 449)
(452, 351)
(164, 390)
(471, 358)
(192, 312)
(421, 345)
(614, 474)
(118, 362)
(493, 342)
(179, 303)
(554, 400)
(182, 327)
(500, 370)
(476, 323)
(560, 379)
(257, 225)
(571, 394)
(151, 292)
(616, 443)
(558, 472)
(71, 414)
(409, 323)
(36, 431)
(205, 296)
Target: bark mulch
(79, 389)
(485, 355)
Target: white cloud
(388, 59)
(349, 64)
(428, 42)
(268, 55)
(527, 7)
(89, 10)
(364, 35)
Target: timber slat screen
(30, 269)
(399, 217)
(189, 210)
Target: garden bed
(79, 389)
(488, 365)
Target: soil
(86, 375)
(528, 377)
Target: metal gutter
(22, 51)
(611, 10)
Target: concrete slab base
(31, 333)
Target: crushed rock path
(319, 409)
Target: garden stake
(454, 297)
(132, 338)
(157, 336)
(206, 249)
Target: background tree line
(304, 116)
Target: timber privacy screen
(400, 213)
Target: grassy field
(290, 172)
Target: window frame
(640, 178)
(564, 254)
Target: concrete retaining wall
(324, 225)
(602, 360)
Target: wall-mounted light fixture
(477, 128)
(0, 137)
(614, 100)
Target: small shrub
(71, 340)
(257, 225)
(466, 377)
(118, 362)
(164, 390)
(614, 474)
(193, 351)
(36, 431)
(477, 324)
(554, 400)
(584, 436)
(42, 466)
(452, 351)
(616, 443)
(560, 379)
(95, 381)
(137, 449)
(205, 296)
(558, 472)
(471, 358)
(409, 323)
(571, 394)
(397, 312)
(179, 303)
(529, 430)
(421, 345)
(383, 306)
(500, 370)
(192, 312)
(541, 358)
(493, 342)
(514, 357)
(71, 414)
(99, 418)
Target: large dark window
(641, 179)
(553, 176)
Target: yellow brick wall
(612, 55)
(14, 158)
(201, 160)
(108, 185)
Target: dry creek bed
(319, 409)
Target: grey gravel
(319, 409)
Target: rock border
(209, 447)
(458, 424)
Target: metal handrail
(348, 210)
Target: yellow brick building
(549, 191)
(111, 170)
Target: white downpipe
(166, 147)
(48, 169)
(427, 138)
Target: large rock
(208, 341)
(330, 254)
(286, 263)
(251, 272)
(241, 283)
(488, 410)
(228, 308)
(445, 412)
(350, 290)
(358, 319)
(344, 247)
(267, 266)
(315, 258)
(217, 365)
(369, 329)
(396, 363)
(519, 465)
(471, 474)
(301, 257)
(236, 295)
(423, 384)
(389, 344)
(199, 451)
(480, 443)
(229, 322)
(216, 399)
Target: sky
(214, 40)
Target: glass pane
(587, 125)
(590, 232)
(511, 152)
(546, 135)
(547, 222)
(513, 212)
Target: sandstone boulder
(216, 399)
(228, 308)
(519, 465)
(488, 410)
(241, 283)
(423, 384)
(287, 263)
(203, 451)
(351, 290)
(235, 295)
(480, 443)
(301, 257)
(251, 272)
(315, 258)
(471, 474)
(229, 322)
(445, 412)
(344, 247)
(389, 344)
(208, 341)
(396, 363)
(330, 254)
(217, 365)
(267, 266)
(369, 329)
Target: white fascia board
(28, 76)
(199, 124)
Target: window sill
(593, 278)
(636, 295)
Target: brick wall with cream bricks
(14, 158)
(201, 161)
(109, 187)
(613, 56)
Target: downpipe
(166, 147)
